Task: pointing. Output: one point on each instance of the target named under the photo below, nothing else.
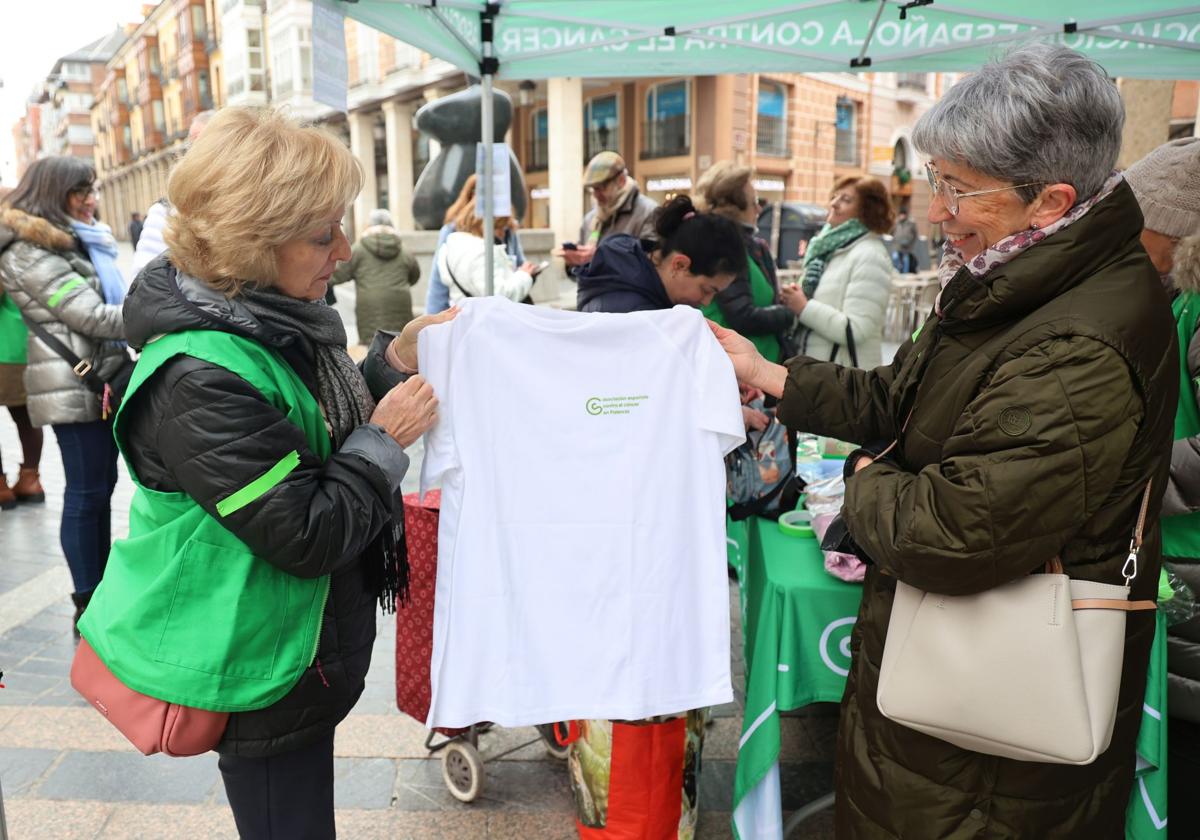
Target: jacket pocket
(226, 613)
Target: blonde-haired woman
(437, 299)
(266, 521)
(750, 304)
(463, 256)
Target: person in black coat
(197, 428)
(135, 229)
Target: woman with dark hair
(847, 278)
(58, 265)
(695, 256)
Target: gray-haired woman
(1030, 411)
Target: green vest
(185, 611)
(762, 294)
(14, 336)
(1181, 534)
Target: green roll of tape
(796, 523)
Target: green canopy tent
(539, 39)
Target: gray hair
(1041, 114)
(380, 217)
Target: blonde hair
(466, 221)
(254, 180)
(722, 189)
(466, 196)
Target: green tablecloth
(796, 621)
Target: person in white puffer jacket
(462, 260)
(848, 278)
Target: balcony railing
(666, 137)
(772, 136)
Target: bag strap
(1129, 570)
(454, 280)
(80, 367)
(1111, 604)
(1054, 566)
(849, 346)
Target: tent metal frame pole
(862, 61)
(487, 70)
(466, 5)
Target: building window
(126, 138)
(368, 55)
(667, 131)
(159, 121)
(122, 91)
(254, 58)
(205, 90)
(76, 70)
(79, 135)
(912, 81)
(539, 152)
(199, 24)
(772, 119)
(601, 125)
(281, 67)
(846, 150)
(306, 59)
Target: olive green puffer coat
(383, 274)
(1042, 402)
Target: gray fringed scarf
(343, 393)
(347, 404)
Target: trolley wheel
(546, 730)
(462, 770)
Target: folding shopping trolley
(462, 762)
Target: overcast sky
(33, 35)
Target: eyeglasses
(86, 192)
(950, 194)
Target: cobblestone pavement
(66, 773)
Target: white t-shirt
(581, 546)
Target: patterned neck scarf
(1015, 244)
(822, 246)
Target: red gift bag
(414, 620)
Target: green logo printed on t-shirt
(596, 406)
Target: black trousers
(1183, 777)
(282, 797)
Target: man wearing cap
(1167, 185)
(619, 207)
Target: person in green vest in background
(266, 528)
(13, 355)
(751, 304)
(1167, 185)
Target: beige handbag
(1029, 670)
